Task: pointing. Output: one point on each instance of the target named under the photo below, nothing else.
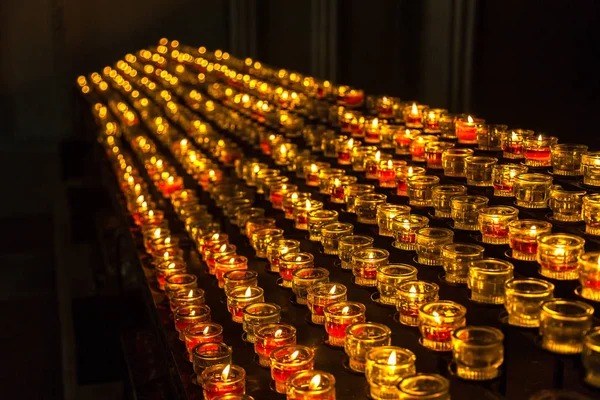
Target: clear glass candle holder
(591, 214)
(412, 295)
(489, 137)
(437, 321)
(344, 149)
(290, 262)
(566, 205)
(503, 177)
(386, 214)
(464, 210)
(207, 354)
(301, 210)
(431, 119)
(372, 163)
(532, 190)
(424, 387)
(246, 214)
(304, 278)
(512, 143)
(325, 175)
(258, 314)
(262, 237)
(365, 206)
(290, 199)
(405, 231)
(433, 153)
(591, 357)
(372, 130)
(403, 139)
(186, 297)
(523, 234)
(271, 336)
(448, 125)
(478, 352)
(237, 278)
(557, 254)
(277, 193)
(339, 316)
(478, 170)
(177, 282)
(322, 294)
(189, 315)
(359, 157)
(240, 297)
(351, 193)
(589, 275)
(232, 208)
(467, 129)
(279, 247)
(417, 147)
(441, 195)
(347, 245)
(429, 244)
(361, 338)
(287, 360)
(389, 278)
(203, 332)
(387, 172)
(311, 172)
(403, 174)
(331, 234)
(365, 263)
(255, 224)
(165, 269)
(420, 190)
(454, 161)
(312, 384)
(563, 325)
(221, 379)
(566, 159)
(494, 221)
(413, 115)
(385, 367)
(590, 168)
(337, 188)
(523, 300)
(487, 278)
(456, 258)
(537, 150)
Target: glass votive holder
(494, 221)
(558, 254)
(212, 253)
(365, 206)
(489, 137)
(203, 332)
(277, 193)
(167, 254)
(311, 172)
(467, 128)
(440, 197)
(189, 315)
(385, 367)
(405, 231)
(433, 153)
(290, 262)
(255, 224)
(340, 315)
(210, 240)
(403, 174)
(532, 190)
(359, 157)
(246, 214)
(487, 278)
(271, 336)
(456, 258)
(566, 159)
(591, 213)
(290, 199)
(262, 237)
(419, 190)
(386, 106)
(387, 172)
(431, 119)
(478, 170)
(523, 300)
(287, 360)
(424, 387)
(165, 269)
(322, 294)
(429, 245)
(240, 297)
(590, 168)
(207, 354)
(331, 234)
(232, 208)
(386, 214)
(403, 139)
(523, 234)
(373, 162)
(512, 143)
(351, 192)
(344, 149)
(347, 245)
(478, 352)
(361, 337)
(389, 278)
(372, 129)
(411, 296)
(222, 379)
(186, 297)
(176, 282)
(329, 142)
(417, 147)
(336, 188)
(448, 125)
(589, 275)
(325, 175)
(304, 278)
(237, 278)
(313, 384)
(365, 263)
(503, 177)
(454, 161)
(437, 321)
(537, 150)
(566, 205)
(276, 248)
(465, 211)
(563, 325)
(301, 210)
(258, 314)
(591, 357)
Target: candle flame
(211, 173)
(470, 119)
(284, 186)
(225, 373)
(390, 164)
(415, 109)
(431, 115)
(168, 240)
(166, 255)
(315, 382)
(278, 333)
(223, 247)
(345, 310)
(283, 149)
(437, 317)
(191, 293)
(350, 143)
(157, 232)
(300, 259)
(375, 123)
(193, 312)
(184, 142)
(170, 179)
(392, 358)
(336, 182)
(215, 236)
(307, 205)
(151, 213)
(256, 168)
(231, 260)
(333, 289)
(413, 290)
(533, 230)
(559, 251)
(205, 331)
(348, 115)
(378, 156)
(514, 135)
(294, 197)
(407, 132)
(248, 292)
(410, 171)
(314, 168)
(172, 265)
(294, 355)
(512, 173)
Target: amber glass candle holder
(206, 354)
(456, 258)
(494, 221)
(304, 278)
(347, 245)
(189, 315)
(213, 253)
(279, 247)
(176, 282)
(489, 137)
(362, 337)
(258, 314)
(448, 125)
(385, 367)
(405, 230)
(237, 278)
(424, 387)
(465, 211)
(403, 139)
(287, 360)
(478, 170)
(437, 321)
(277, 193)
(434, 152)
(372, 129)
(331, 234)
(441, 195)
(467, 129)
(478, 352)
(429, 244)
(301, 210)
(344, 149)
(403, 174)
(290, 262)
(351, 193)
(311, 172)
(262, 237)
(255, 224)
(240, 297)
(386, 214)
(313, 384)
(246, 214)
(523, 234)
(203, 332)
(325, 175)
(537, 150)
(512, 143)
(387, 172)
(532, 190)
(186, 297)
(590, 167)
(372, 163)
(271, 336)
(389, 277)
(337, 187)
(523, 300)
(566, 159)
(166, 269)
(210, 240)
(563, 325)
(290, 199)
(365, 263)
(558, 254)
(420, 190)
(417, 147)
(431, 119)
(503, 177)
(487, 278)
(365, 206)
(566, 205)
(322, 294)
(591, 214)
(591, 357)
(340, 315)
(359, 157)
(454, 161)
(589, 275)
(411, 296)
(222, 379)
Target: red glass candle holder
(186, 297)
(417, 147)
(176, 282)
(494, 222)
(413, 114)
(240, 297)
(387, 172)
(344, 149)
(512, 143)
(311, 385)
(466, 129)
(433, 153)
(290, 262)
(287, 360)
(372, 130)
(523, 236)
(340, 315)
(403, 174)
(337, 188)
(405, 231)
(166, 269)
(403, 140)
(537, 150)
(212, 253)
(589, 275)
(437, 321)
(190, 315)
(227, 263)
(223, 379)
(271, 336)
(365, 263)
(203, 332)
(558, 255)
(277, 193)
(372, 163)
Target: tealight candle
(322, 294)
(412, 295)
(316, 220)
(270, 181)
(337, 186)
(424, 387)
(167, 254)
(386, 106)
(203, 332)
(324, 177)
(389, 277)
(290, 262)
(557, 254)
(589, 275)
(161, 243)
(387, 172)
(344, 148)
(523, 234)
(290, 199)
(176, 282)
(311, 385)
(276, 248)
(503, 177)
(512, 143)
(403, 140)
(287, 360)
(417, 147)
(591, 357)
(351, 192)
(166, 269)
(385, 215)
(456, 258)
(403, 174)
(494, 221)
(347, 245)
(429, 244)
(365, 263)
(372, 129)
(566, 205)
(240, 297)
(536, 150)
(385, 367)
(277, 193)
(487, 278)
(190, 315)
(301, 210)
(431, 119)
(304, 278)
(207, 354)
(464, 210)
(590, 168)
(437, 321)
(236, 278)
(357, 127)
(365, 206)
(359, 156)
(563, 325)
(478, 352)
(413, 115)
(523, 300)
(489, 137)
(211, 239)
(212, 253)
(185, 297)
(262, 237)
(591, 214)
(311, 172)
(331, 234)
(441, 195)
(340, 315)
(566, 159)
(433, 153)
(271, 336)
(362, 337)
(346, 121)
(373, 162)
(258, 314)
(405, 230)
(222, 379)
(467, 128)
(478, 170)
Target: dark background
(530, 64)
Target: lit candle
(344, 148)
(387, 172)
(405, 230)
(404, 139)
(417, 147)
(413, 115)
(365, 263)
(237, 278)
(166, 269)
(357, 127)
(271, 336)
(466, 130)
(287, 360)
(503, 177)
(277, 193)
(557, 254)
(276, 248)
(210, 240)
(362, 337)
(456, 258)
(320, 296)
(389, 277)
(386, 365)
(176, 282)
(290, 199)
(229, 263)
(340, 315)
(240, 297)
(522, 236)
(290, 262)
(190, 315)
(411, 296)
(223, 379)
(372, 163)
(304, 278)
(403, 174)
(434, 151)
(385, 216)
(337, 186)
(494, 222)
(372, 130)
(385, 106)
(214, 252)
(512, 143)
(536, 151)
(311, 385)
(185, 297)
(203, 332)
(437, 321)
(257, 315)
(301, 210)
(311, 172)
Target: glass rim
(592, 339)
(494, 333)
(586, 310)
(361, 308)
(321, 273)
(501, 266)
(498, 210)
(408, 270)
(461, 310)
(547, 239)
(220, 367)
(430, 286)
(307, 351)
(443, 385)
(272, 308)
(453, 248)
(384, 330)
(324, 288)
(248, 274)
(570, 146)
(534, 177)
(307, 376)
(365, 240)
(226, 350)
(237, 293)
(259, 331)
(545, 286)
(380, 354)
